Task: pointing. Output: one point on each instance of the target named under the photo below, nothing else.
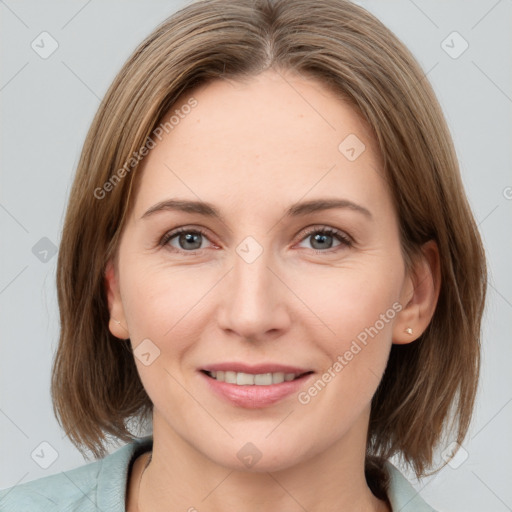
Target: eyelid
(344, 239)
(183, 229)
(325, 228)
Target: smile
(255, 387)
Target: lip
(254, 397)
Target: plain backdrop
(48, 100)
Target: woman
(322, 319)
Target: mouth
(254, 386)
(254, 379)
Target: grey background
(47, 106)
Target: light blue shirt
(100, 486)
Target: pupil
(189, 238)
(320, 238)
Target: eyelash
(324, 230)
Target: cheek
(349, 300)
(355, 355)
(159, 303)
(357, 311)
(164, 305)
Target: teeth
(262, 379)
(230, 377)
(249, 379)
(277, 378)
(243, 379)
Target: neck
(181, 478)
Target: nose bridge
(251, 278)
(253, 302)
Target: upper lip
(255, 369)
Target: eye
(188, 240)
(322, 238)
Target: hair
(95, 386)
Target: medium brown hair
(95, 385)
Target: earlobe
(117, 323)
(419, 296)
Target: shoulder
(402, 495)
(99, 485)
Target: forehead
(270, 139)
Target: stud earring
(408, 330)
(118, 323)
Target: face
(311, 295)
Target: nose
(255, 299)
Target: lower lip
(253, 396)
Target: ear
(419, 295)
(117, 323)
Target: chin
(258, 457)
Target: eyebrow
(296, 210)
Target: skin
(253, 149)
